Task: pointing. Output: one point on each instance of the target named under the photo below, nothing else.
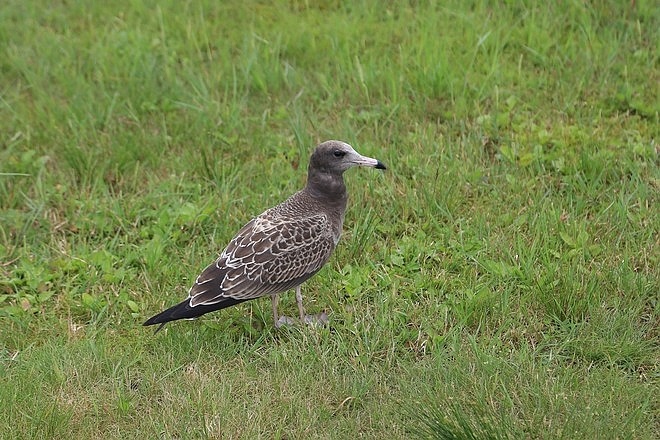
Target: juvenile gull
(281, 248)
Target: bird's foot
(320, 319)
(283, 321)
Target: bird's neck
(327, 188)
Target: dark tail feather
(183, 310)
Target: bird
(281, 248)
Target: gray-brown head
(335, 157)
(327, 165)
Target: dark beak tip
(380, 166)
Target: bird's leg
(307, 319)
(279, 320)
(322, 318)
(274, 299)
(301, 310)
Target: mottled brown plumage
(281, 248)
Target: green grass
(500, 280)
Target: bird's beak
(365, 161)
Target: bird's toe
(319, 319)
(283, 321)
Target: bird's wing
(269, 255)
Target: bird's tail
(184, 310)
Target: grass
(499, 281)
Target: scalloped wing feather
(270, 254)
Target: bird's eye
(339, 153)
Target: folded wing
(270, 254)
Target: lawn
(500, 280)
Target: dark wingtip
(151, 322)
(380, 166)
(184, 310)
